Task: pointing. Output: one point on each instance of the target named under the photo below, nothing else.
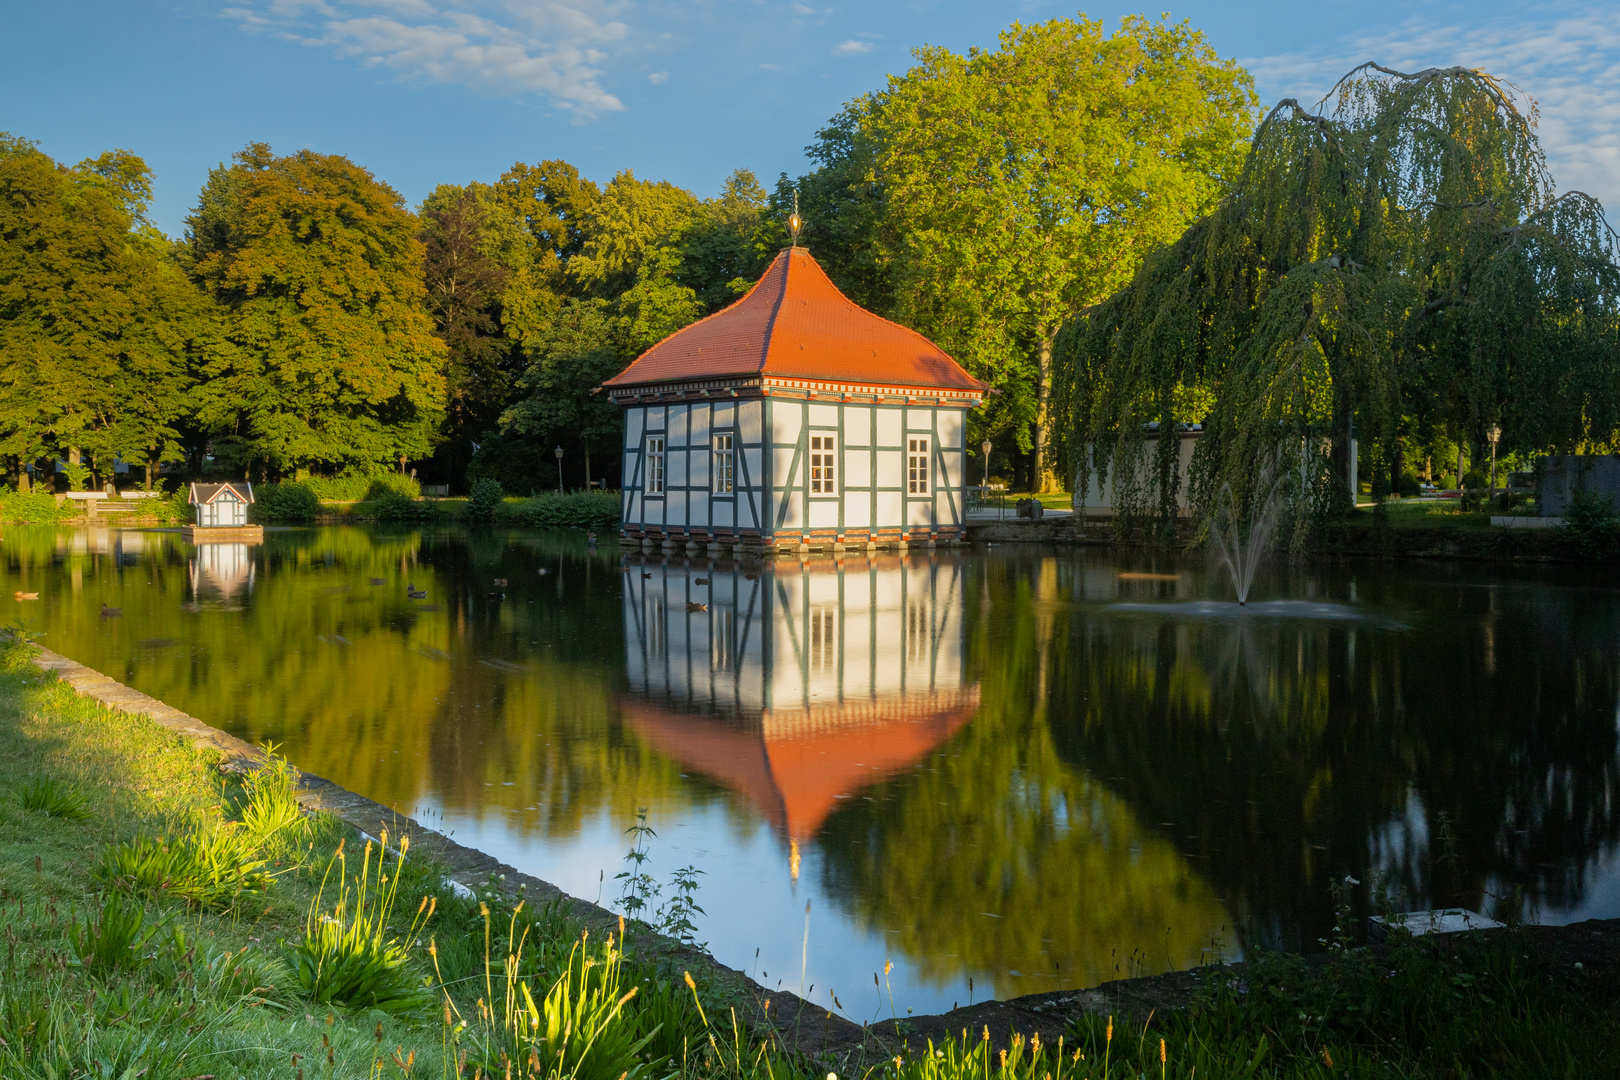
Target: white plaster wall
(889, 423)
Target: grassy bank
(163, 918)
(167, 919)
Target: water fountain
(1241, 553)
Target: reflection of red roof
(795, 323)
(795, 766)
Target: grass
(162, 918)
(293, 962)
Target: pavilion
(794, 419)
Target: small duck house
(222, 513)
(794, 419)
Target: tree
(335, 364)
(97, 330)
(842, 203)
(728, 244)
(465, 286)
(1400, 260)
(1022, 184)
(631, 220)
(575, 356)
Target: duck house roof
(203, 494)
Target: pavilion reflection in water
(796, 684)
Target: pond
(1007, 770)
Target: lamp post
(984, 448)
(559, 471)
(1494, 433)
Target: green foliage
(576, 509)
(355, 487)
(116, 936)
(352, 957)
(48, 795)
(1400, 261)
(1477, 1008)
(401, 509)
(33, 508)
(1591, 525)
(483, 502)
(98, 331)
(1023, 183)
(271, 817)
(213, 865)
(329, 356)
(580, 1028)
(572, 357)
(284, 503)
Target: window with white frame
(917, 465)
(724, 465)
(823, 467)
(655, 465)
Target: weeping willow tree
(1397, 261)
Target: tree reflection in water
(1093, 778)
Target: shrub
(116, 938)
(34, 508)
(392, 507)
(272, 815)
(212, 866)
(484, 501)
(351, 957)
(583, 509)
(176, 508)
(1590, 525)
(361, 487)
(46, 795)
(285, 502)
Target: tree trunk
(25, 482)
(1039, 479)
(1459, 463)
(148, 484)
(587, 464)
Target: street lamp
(559, 470)
(1494, 433)
(984, 447)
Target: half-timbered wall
(684, 495)
(827, 467)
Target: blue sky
(428, 91)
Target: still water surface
(1029, 768)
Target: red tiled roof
(795, 323)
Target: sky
(423, 92)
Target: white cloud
(1569, 63)
(658, 78)
(550, 47)
(853, 48)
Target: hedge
(584, 509)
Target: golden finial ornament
(793, 842)
(795, 223)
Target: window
(823, 469)
(723, 465)
(655, 465)
(917, 465)
(822, 639)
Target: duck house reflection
(796, 685)
(219, 571)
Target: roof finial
(795, 223)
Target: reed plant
(577, 1028)
(270, 814)
(212, 864)
(48, 795)
(349, 955)
(116, 936)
